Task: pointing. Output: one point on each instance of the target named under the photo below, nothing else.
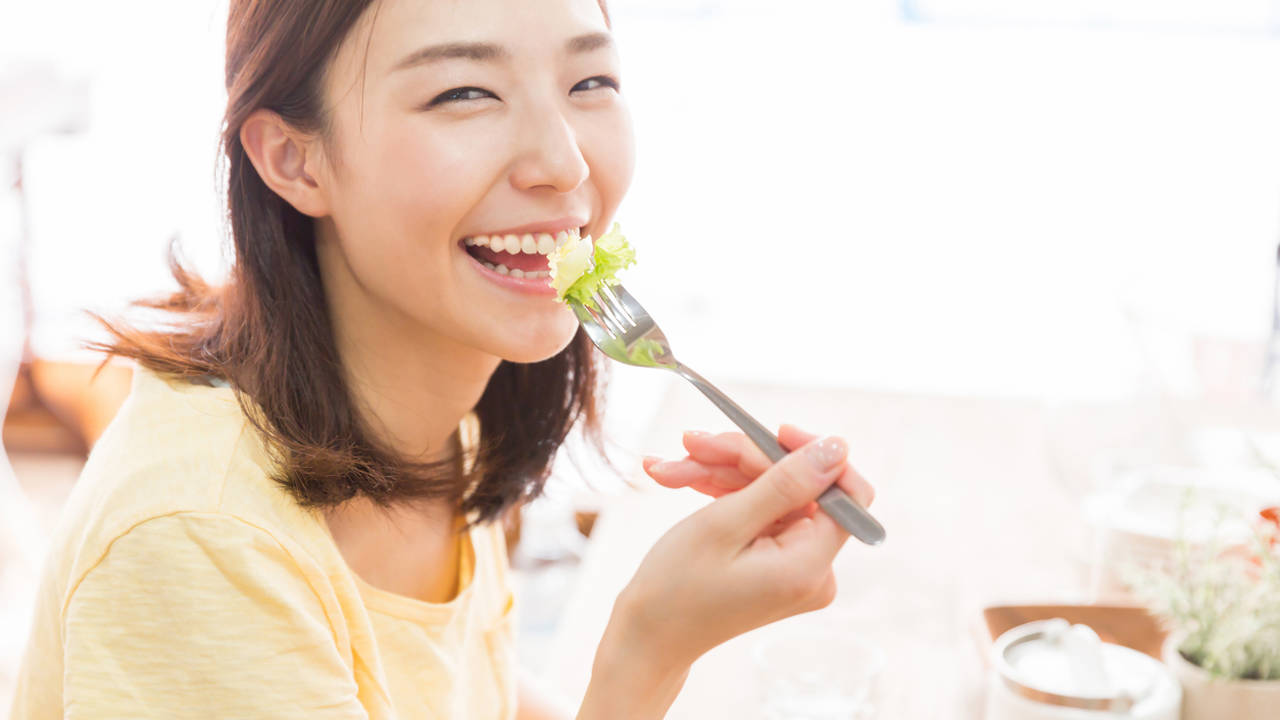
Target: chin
(538, 344)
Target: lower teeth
(516, 272)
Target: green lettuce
(612, 254)
(644, 352)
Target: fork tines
(613, 314)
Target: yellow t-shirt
(184, 583)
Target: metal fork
(624, 331)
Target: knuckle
(732, 442)
(826, 593)
(801, 587)
(865, 492)
(793, 589)
(791, 484)
(718, 528)
(753, 464)
(753, 460)
(727, 478)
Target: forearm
(630, 680)
(620, 690)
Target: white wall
(825, 193)
(954, 208)
(104, 203)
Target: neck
(411, 387)
(411, 398)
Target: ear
(286, 160)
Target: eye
(459, 94)
(595, 83)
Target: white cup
(817, 671)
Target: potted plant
(1221, 605)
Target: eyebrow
(489, 52)
(588, 42)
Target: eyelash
(459, 94)
(605, 81)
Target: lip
(549, 226)
(531, 286)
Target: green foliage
(645, 352)
(612, 254)
(1224, 602)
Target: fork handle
(835, 502)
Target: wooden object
(63, 407)
(1132, 627)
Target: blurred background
(845, 213)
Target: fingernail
(665, 466)
(696, 433)
(650, 458)
(827, 452)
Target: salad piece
(581, 267)
(645, 352)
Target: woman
(293, 515)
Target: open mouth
(519, 256)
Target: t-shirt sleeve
(200, 616)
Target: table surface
(981, 501)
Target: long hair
(267, 331)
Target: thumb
(793, 482)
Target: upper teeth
(529, 243)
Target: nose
(550, 154)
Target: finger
(673, 473)
(725, 448)
(731, 449)
(799, 562)
(726, 478)
(714, 482)
(811, 544)
(710, 489)
(691, 473)
(718, 449)
(789, 436)
(857, 486)
(734, 448)
(826, 591)
(790, 519)
(851, 481)
(792, 437)
(663, 478)
(790, 484)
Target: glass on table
(810, 670)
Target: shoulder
(182, 466)
(205, 605)
(197, 556)
(206, 574)
(182, 552)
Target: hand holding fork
(624, 331)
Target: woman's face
(456, 119)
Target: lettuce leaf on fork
(579, 267)
(646, 352)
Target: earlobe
(279, 154)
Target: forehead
(392, 29)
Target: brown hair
(267, 330)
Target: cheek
(610, 149)
(430, 181)
(400, 197)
